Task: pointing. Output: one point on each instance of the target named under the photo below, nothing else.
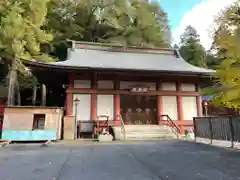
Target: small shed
(32, 123)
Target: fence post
(231, 131)
(195, 129)
(211, 129)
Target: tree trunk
(18, 94)
(12, 83)
(34, 96)
(43, 95)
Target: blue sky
(176, 9)
(198, 13)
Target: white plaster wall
(169, 104)
(105, 105)
(189, 107)
(169, 86)
(130, 84)
(188, 87)
(82, 84)
(83, 110)
(105, 85)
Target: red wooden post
(69, 98)
(159, 102)
(117, 112)
(199, 101)
(94, 98)
(180, 106)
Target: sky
(197, 13)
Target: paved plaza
(158, 160)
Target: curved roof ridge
(180, 57)
(103, 59)
(75, 43)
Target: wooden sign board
(139, 89)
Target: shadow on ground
(165, 160)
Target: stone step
(145, 132)
(148, 135)
(148, 130)
(153, 127)
(143, 126)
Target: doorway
(138, 109)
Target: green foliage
(137, 24)
(125, 22)
(21, 39)
(226, 44)
(212, 60)
(191, 49)
(20, 30)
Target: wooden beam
(130, 76)
(108, 91)
(139, 77)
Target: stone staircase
(148, 132)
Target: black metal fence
(218, 128)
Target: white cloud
(202, 18)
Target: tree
(125, 22)
(21, 36)
(212, 60)
(140, 24)
(227, 48)
(191, 49)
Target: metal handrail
(123, 130)
(172, 124)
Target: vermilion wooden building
(140, 84)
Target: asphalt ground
(157, 160)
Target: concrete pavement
(158, 160)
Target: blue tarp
(29, 135)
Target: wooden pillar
(34, 96)
(180, 106)
(159, 102)
(43, 99)
(117, 111)
(69, 98)
(94, 98)
(199, 101)
(18, 94)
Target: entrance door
(138, 109)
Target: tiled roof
(137, 59)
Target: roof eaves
(48, 65)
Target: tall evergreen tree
(21, 36)
(191, 49)
(227, 47)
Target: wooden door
(138, 109)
